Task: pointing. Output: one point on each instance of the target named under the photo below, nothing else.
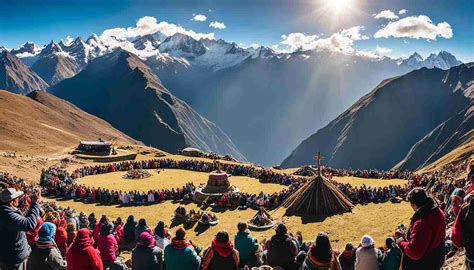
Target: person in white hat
(367, 256)
(14, 248)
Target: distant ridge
(405, 122)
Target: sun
(338, 7)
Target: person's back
(146, 256)
(107, 247)
(45, 255)
(367, 258)
(281, 249)
(82, 255)
(180, 254)
(392, 257)
(14, 249)
(463, 231)
(347, 257)
(246, 245)
(221, 254)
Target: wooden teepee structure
(318, 196)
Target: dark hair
(107, 229)
(104, 219)
(222, 237)
(281, 229)
(322, 247)
(119, 221)
(142, 222)
(349, 246)
(418, 197)
(389, 242)
(180, 234)
(242, 226)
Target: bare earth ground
(378, 220)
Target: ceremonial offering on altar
(136, 174)
(261, 221)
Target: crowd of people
(41, 235)
(58, 182)
(372, 173)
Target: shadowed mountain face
(417, 111)
(121, 89)
(270, 104)
(18, 78)
(41, 123)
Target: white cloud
(382, 50)
(341, 41)
(68, 40)
(415, 27)
(199, 18)
(149, 25)
(217, 25)
(386, 14)
(402, 11)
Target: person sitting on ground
(321, 256)
(367, 256)
(82, 255)
(129, 230)
(221, 254)
(141, 227)
(14, 249)
(180, 254)
(247, 246)
(347, 257)
(392, 255)
(145, 255)
(45, 254)
(161, 235)
(281, 249)
(71, 233)
(423, 246)
(61, 237)
(107, 245)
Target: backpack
(467, 229)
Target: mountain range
(266, 101)
(406, 122)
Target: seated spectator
(71, 233)
(367, 256)
(221, 254)
(107, 245)
(281, 249)
(145, 255)
(129, 229)
(61, 237)
(141, 227)
(320, 255)
(347, 257)
(45, 254)
(161, 235)
(392, 255)
(247, 246)
(82, 255)
(180, 253)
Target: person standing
(423, 246)
(14, 249)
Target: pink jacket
(107, 246)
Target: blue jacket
(14, 247)
(181, 259)
(246, 245)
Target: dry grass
(378, 220)
(172, 178)
(357, 181)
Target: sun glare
(339, 6)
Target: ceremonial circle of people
(37, 234)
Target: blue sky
(448, 25)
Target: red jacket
(426, 234)
(61, 240)
(107, 246)
(82, 255)
(32, 235)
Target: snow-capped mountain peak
(26, 50)
(442, 60)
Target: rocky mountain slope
(18, 78)
(409, 120)
(55, 65)
(41, 123)
(121, 89)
